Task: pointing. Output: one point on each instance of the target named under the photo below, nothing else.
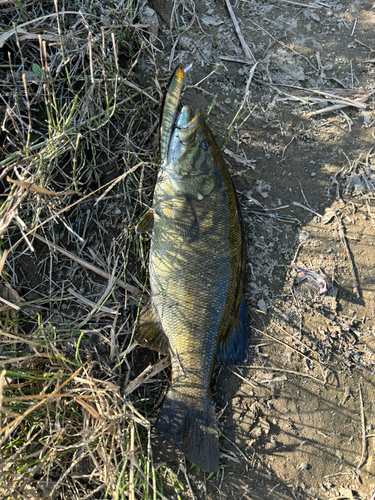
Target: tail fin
(187, 427)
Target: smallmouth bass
(197, 312)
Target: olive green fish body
(197, 265)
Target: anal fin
(232, 350)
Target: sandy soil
(298, 418)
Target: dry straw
(78, 125)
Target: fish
(197, 311)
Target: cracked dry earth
(297, 419)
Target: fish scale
(197, 265)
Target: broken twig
(345, 243)
(245, 48)
(363, 422)
(306, 208)
(241, 60)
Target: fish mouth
(183, 131)
(189, 128)
(184, 127)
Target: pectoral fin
(146, 222)
(181, 212)
(149, 332)
(232, 350)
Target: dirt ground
(297, 420)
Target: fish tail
(187, 426)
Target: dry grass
(77, 130)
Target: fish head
(191, 161)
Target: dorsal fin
(232, 350)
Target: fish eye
(205, 145)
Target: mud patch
(297, 418)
